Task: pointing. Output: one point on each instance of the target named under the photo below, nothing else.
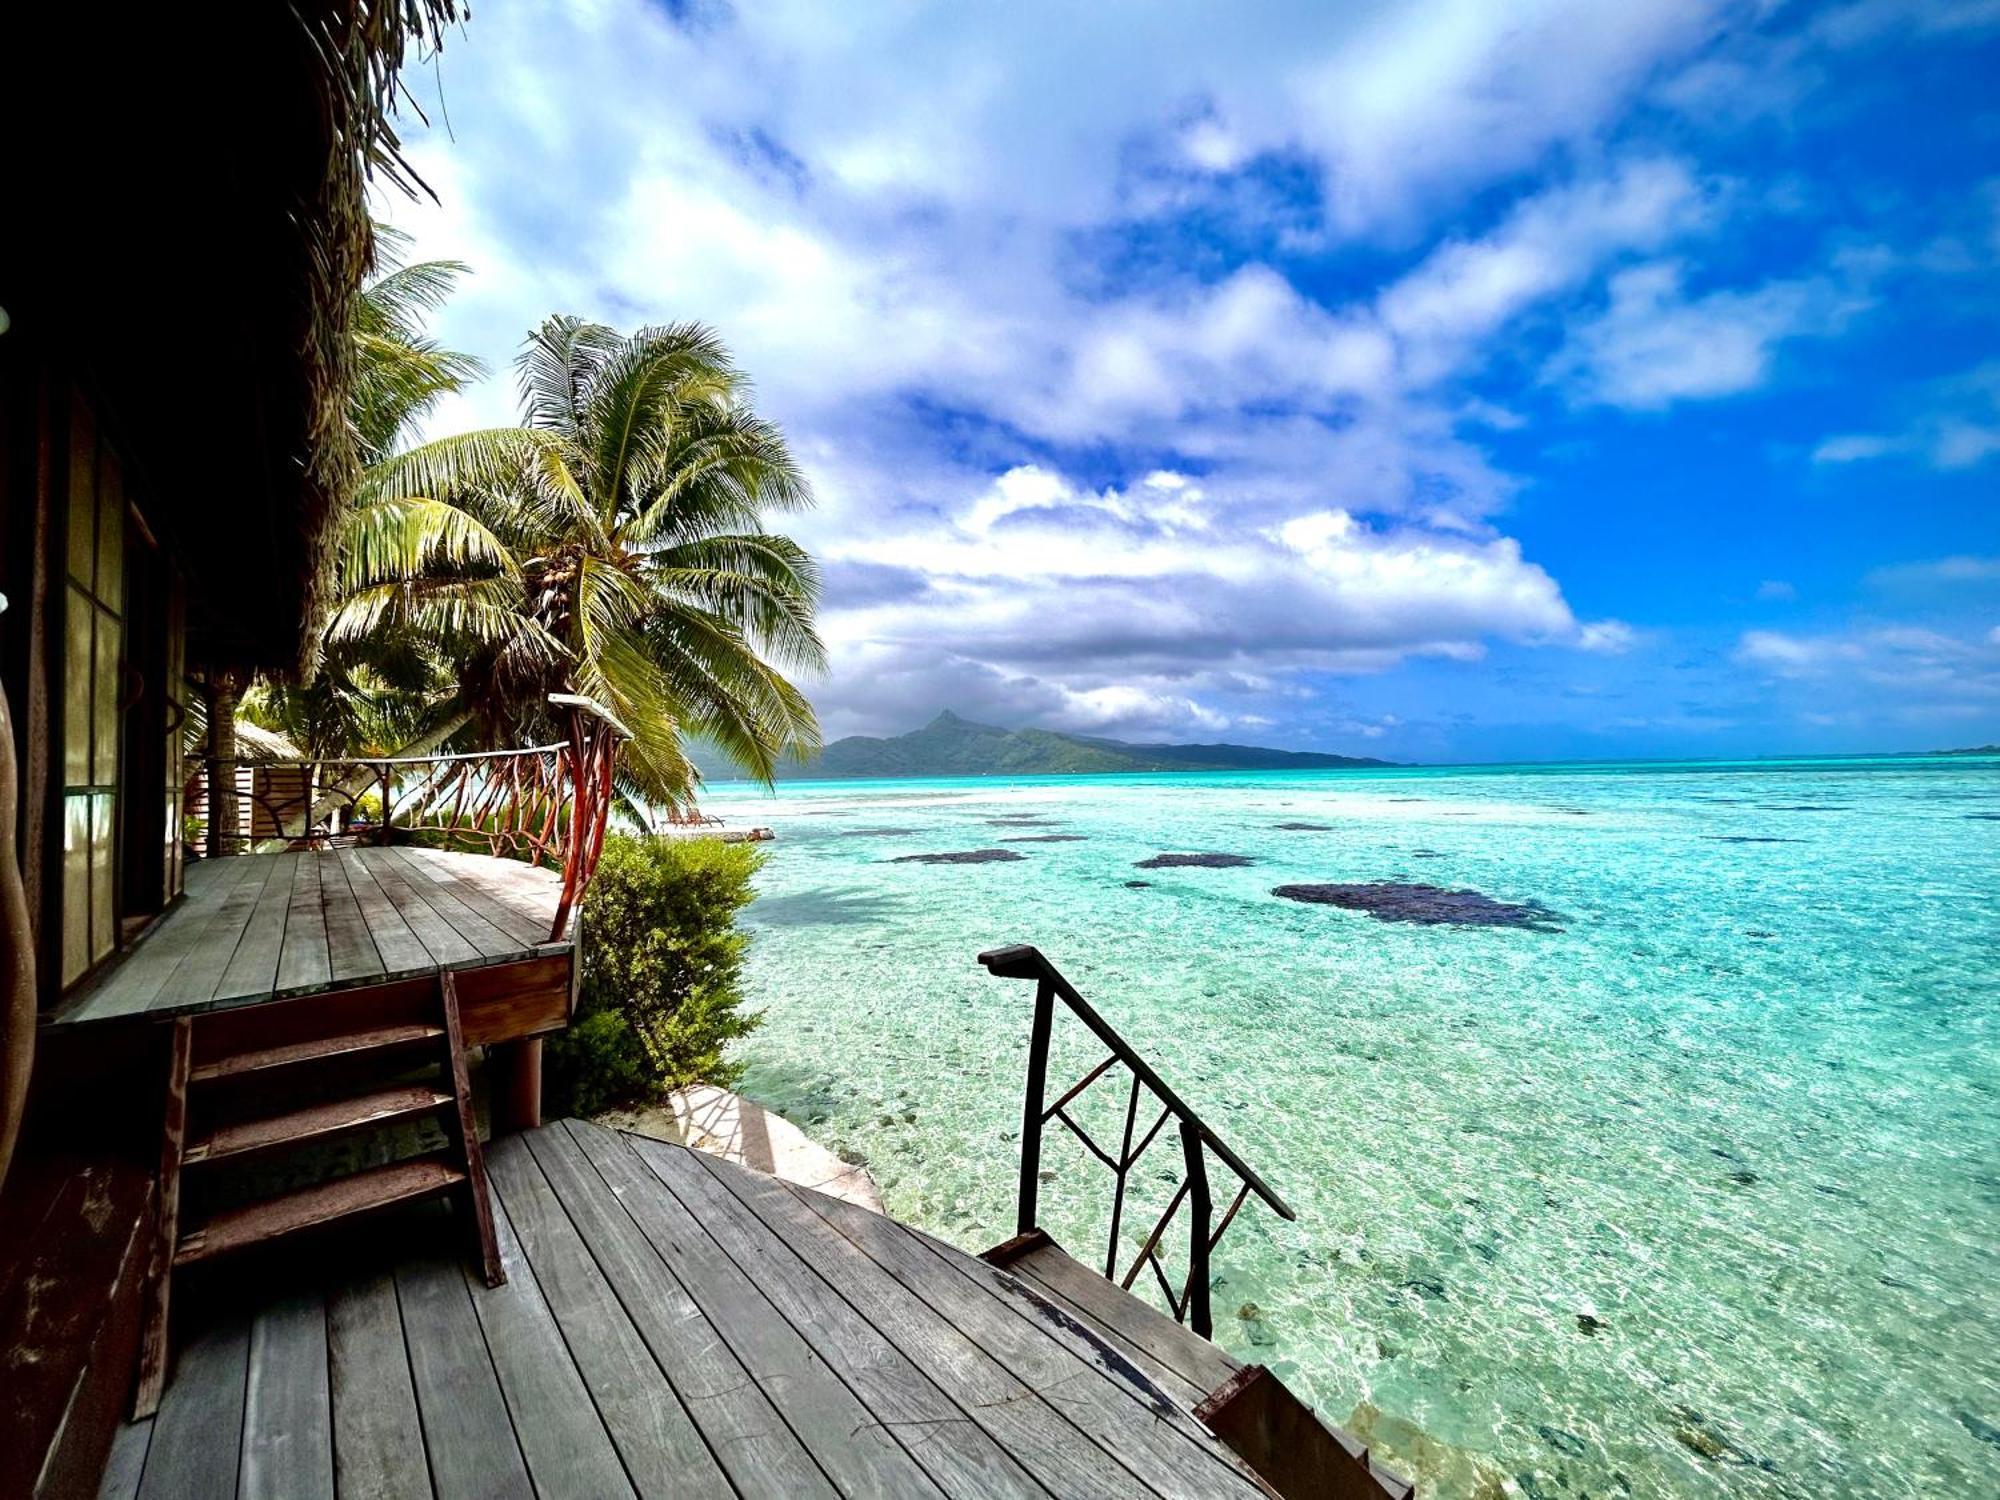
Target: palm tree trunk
(220, 691)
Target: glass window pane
(76, 689)
(82, 490)
(110, 532)
(104, 712)
(103, 910)
(75, 887)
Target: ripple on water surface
(1699, 1196)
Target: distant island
(951, 746)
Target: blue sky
(1437, 380)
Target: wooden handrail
(548, 804)
(410, 760)
(1191, 1304)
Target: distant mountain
(951, 746)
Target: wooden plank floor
(671, 1325)
(258, 927)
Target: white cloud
(1120, 604)
(1942, 572)
(1957, 428)
(1777, 591)
(1607, 637)
(1907, 671)
(1852, 447)
(1792, 655)
(1435, 97)
(1653, 345)
(1123, 707)
(1467, 290)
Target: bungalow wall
(92, 658)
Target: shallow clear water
(1699, 1195)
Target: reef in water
(959, 857)
(1194, 861)
(1431, 905)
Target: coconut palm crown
(612, 546)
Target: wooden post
(1031, 1109)
(1195, 1294)
(517, 1085)
(388, 794)
(464, 1131)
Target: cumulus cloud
(1131, 601)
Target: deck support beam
(517, 1085)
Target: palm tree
(612, 546)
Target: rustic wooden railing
(1190, 1304)
(547, 804)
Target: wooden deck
(259, 927)
(675, 1325)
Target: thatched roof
(256, 744)
(187, 226)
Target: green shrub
(662, 974)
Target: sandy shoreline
(727, 1125)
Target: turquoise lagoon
(1697, 1196)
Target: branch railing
(1190, 1304)
(547, 805)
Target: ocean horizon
(1685, 1183)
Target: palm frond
(390, 540)
(555, 368)
(765, 585)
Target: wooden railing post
(388, 799)
(1031, 1108)
(1200, 1212)
(588, 762)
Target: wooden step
(349, 1044)
(322, 1203)
(317, 1122)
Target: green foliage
(662, 974)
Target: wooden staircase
(351, 1057)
